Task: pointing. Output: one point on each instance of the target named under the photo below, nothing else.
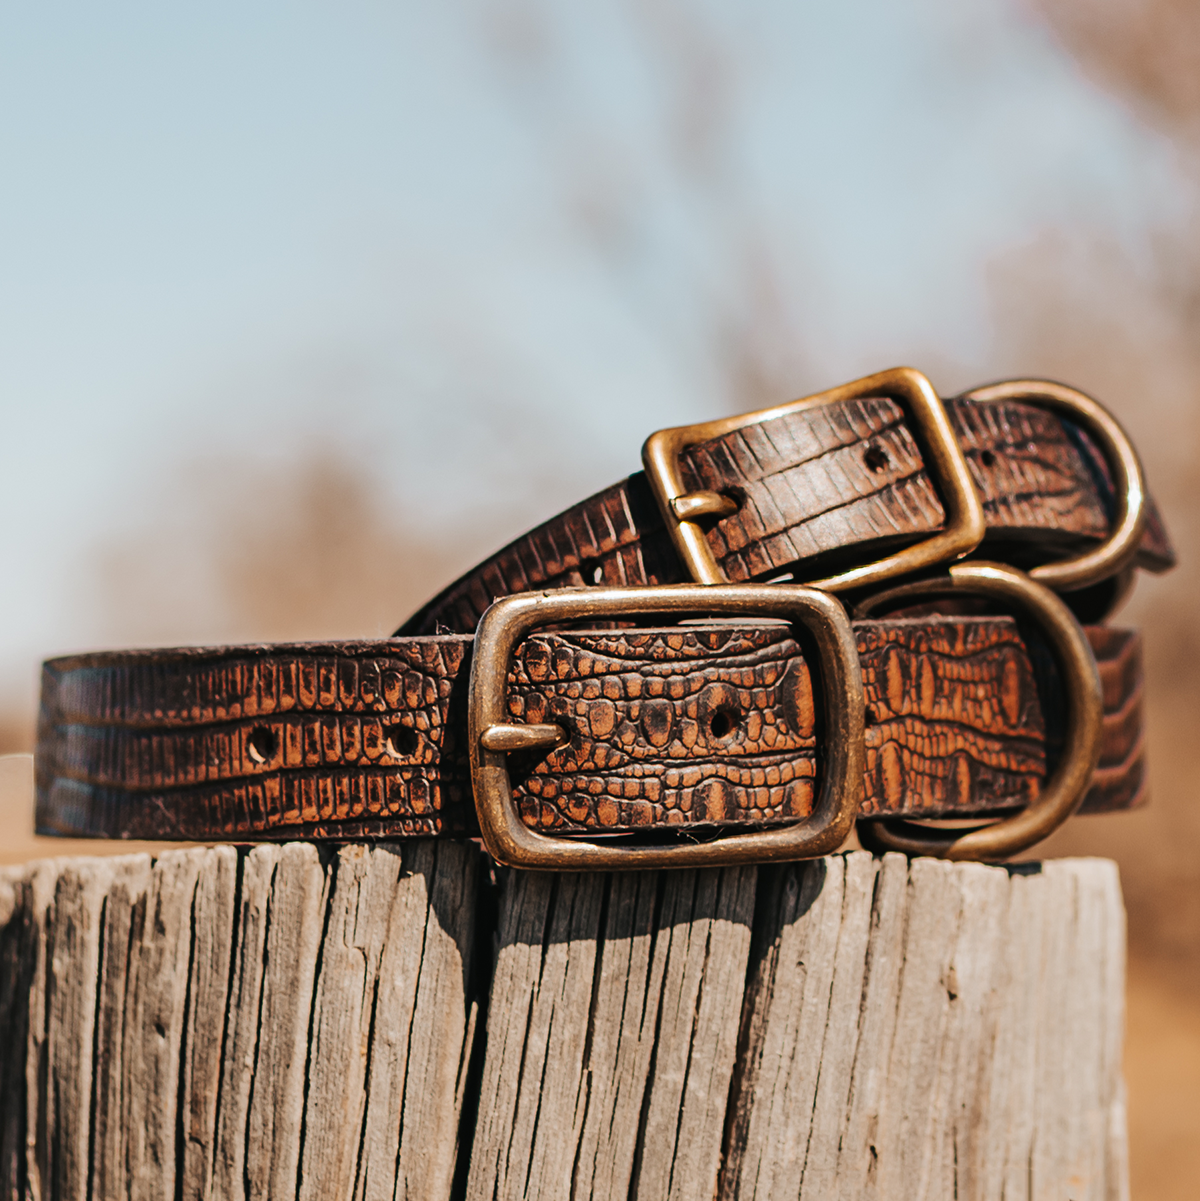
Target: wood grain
(979, 1012)
(391, 1021)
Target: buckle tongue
(491, 735)
(944, 460)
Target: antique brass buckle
(1067, 575)
(1066, 787)
(491, 736)
(945, 461)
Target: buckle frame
(1129, 482)
(490, 736)
(945, 462)
(1065, 789)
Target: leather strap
(689, 727)
(817, 490)
(686, 729)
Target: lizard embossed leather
(685, 725)
(666, 731)
(820, 488)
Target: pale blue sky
(243, 230)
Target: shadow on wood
(294, 1021)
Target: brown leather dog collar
(829, 482)
(694, 725)
(660, 736)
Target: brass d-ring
(1066, 787)
(1068, 575)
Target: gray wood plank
(1049, 1147)
(623, 1038)
(841, 1034)
(983, 1022)
(1083, 1013)
(41, 883)
(707, 923)
(123, 934)
(242, 1024)
(1106, 882)
(280, 921)
(908, 1119)
(391, 1023)
(802, 1017)
(659, 1041)
(973, 986)
(209, 981)
(973, 906)
(75, 926)
(422, 1046)
(297, 904)
(858, 1163)
(18, 955)
(361, 901)
(299, 1023)
(159, 976)
(537, 1021)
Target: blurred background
(304, 308)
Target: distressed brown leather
(692, 726)
(820, 489)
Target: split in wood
(297, 1022)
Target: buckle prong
(503, 737)
(491, 736)
(691, 505)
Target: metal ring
(1068, 575)
(1063, 791)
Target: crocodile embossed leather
(683, 726)
(818, 489)
(661, 732)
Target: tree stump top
(405, 1021)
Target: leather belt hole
(262, 746)
(401, 740)
(876, 458)
(987, 458)
(724, 722)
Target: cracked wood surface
(282, 1022)
(387, 1021)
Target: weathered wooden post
(315, 1020)
(362, 1022)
